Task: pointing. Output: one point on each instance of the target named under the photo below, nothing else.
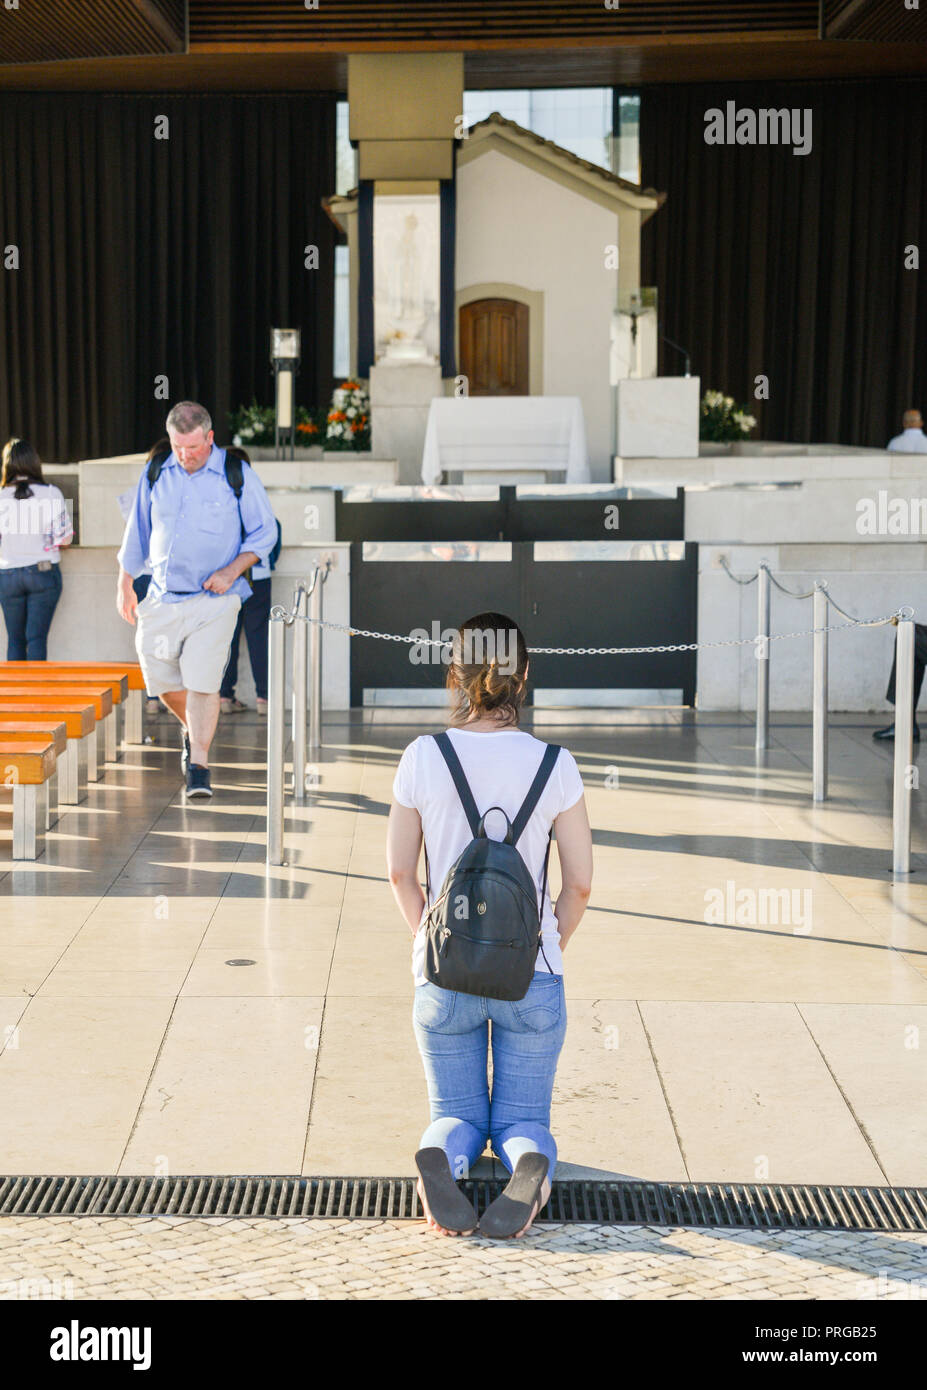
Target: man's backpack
(483, 931)
(234, 476)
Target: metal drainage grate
(757, 1206)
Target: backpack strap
(541, 779)
(235, 477)
(460, 781)
(153, 471)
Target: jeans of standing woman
(253, 616)
(453, 1036)
(28, 597)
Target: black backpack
(483, 931)
(234, 476)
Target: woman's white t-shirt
(500, 768)
(31, 528)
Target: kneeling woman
(499, 762)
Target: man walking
(199, 537)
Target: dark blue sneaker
(198, 781)
(185, 755)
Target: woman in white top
(499, 762)
(34, 524)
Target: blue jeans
(28, 597)
(453, 1036)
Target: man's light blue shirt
(188, 526)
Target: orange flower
(336, 416)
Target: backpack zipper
(476, 940)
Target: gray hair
(187, 416)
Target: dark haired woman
(487, 678)
(34, 525)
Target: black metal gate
(588, 572)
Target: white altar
(506, 439)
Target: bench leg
(28, 819)
(51, 796)
(92, 755)
(110, 752)
(132, 730)
(73, 767)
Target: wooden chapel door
(494, 347)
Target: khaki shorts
(185, 645)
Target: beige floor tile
(369, 1103)
(724, 963)
(362, 970)
(23, 968)
(609, 1114)
(285, 972)
(878, 1055)
(300, 925)
(12, 1009)
(70, 1091)
(751, 1098)
(70, 981)
(231, 1089)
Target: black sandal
(510, 1212)
(447, 1204)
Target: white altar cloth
(523, 433)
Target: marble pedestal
(658, 417)
(400, 395)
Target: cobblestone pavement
(186, 1258)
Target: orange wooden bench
(79, 716)
(36, 729)
(28, 768)
(49, 677)
(131, 704)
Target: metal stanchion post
(762, 659)
(819, 693)
(904, 746)
(315, 664)
(300, 678)
(276, 724)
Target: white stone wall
(803, 533)
(515, 226)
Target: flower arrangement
(722, 420)
(254, 424)
(347, 424)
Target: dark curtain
(792, 266)
(143, 258)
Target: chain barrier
(901, 812)
(906, 611)
(613, 651)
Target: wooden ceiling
(251, 45)
(63, 29)
(218, 24)
(884, 20)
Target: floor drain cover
(620, 1202)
